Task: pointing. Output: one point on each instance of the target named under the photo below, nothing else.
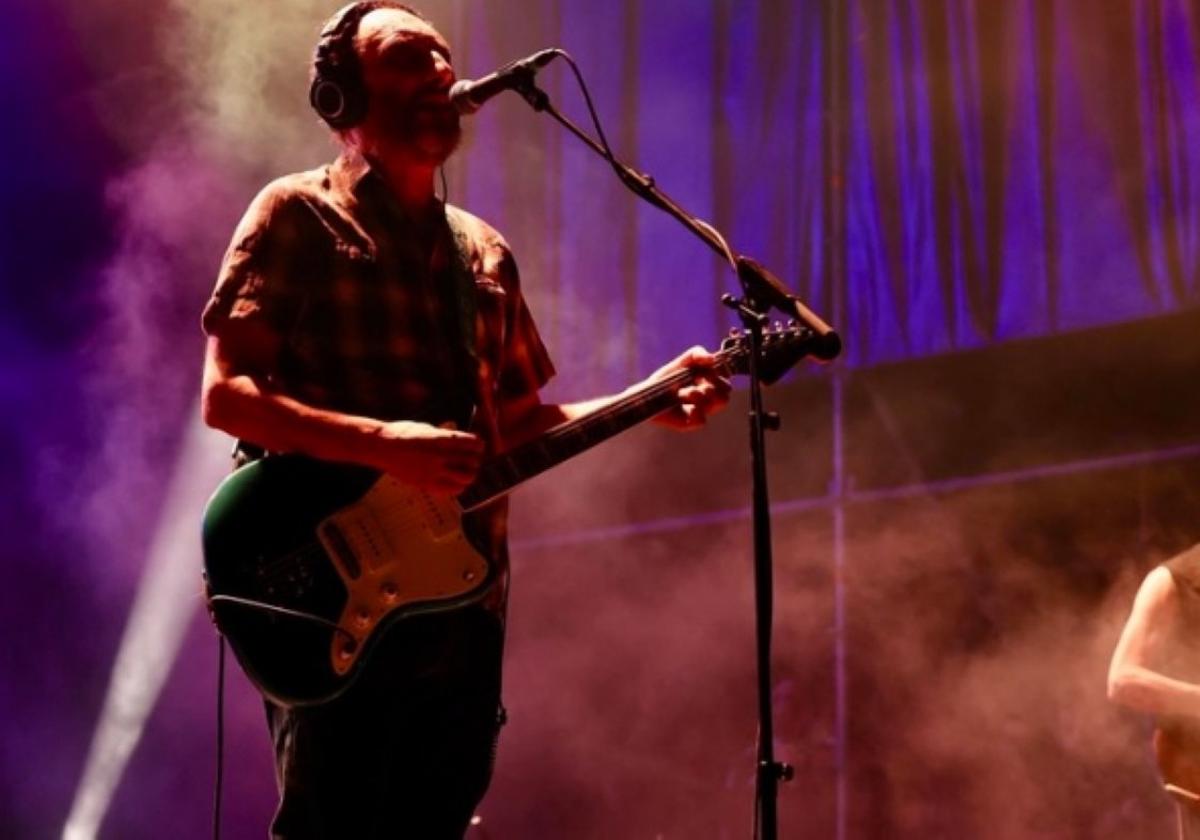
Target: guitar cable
(220, 757)
(220, 736)
(622, 176)
(285, 611)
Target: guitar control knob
(468, 576)
(389, 591)
(346, 650)
(362, 618)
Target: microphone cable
(621, 174)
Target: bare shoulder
(1157, 591)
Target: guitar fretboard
(500, 475)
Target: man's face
(407, 71)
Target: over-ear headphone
(338, 93)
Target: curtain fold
(1010, 169)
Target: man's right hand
(439, 460)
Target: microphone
(768, 288)
(468, 96)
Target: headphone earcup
(328, 98)
(337, 92)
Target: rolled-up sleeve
(257, 279)
(526, 364)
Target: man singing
(339, 329)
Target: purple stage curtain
(1016, 168)
(936, 176)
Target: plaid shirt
(373, 322)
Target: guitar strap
(475, 367)
(477, 370)
(463, 276)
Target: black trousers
(407, 751)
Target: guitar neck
(501, 474)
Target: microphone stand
(761, 291)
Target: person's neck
(410, 184)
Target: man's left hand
(706, 394)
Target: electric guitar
(1177, 753)
(308, 562)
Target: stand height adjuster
(781, 770)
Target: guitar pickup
(338, 546)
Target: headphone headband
(338, 93)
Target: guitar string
(391, 516)
(573, 429)
(398, 515)
(652, 392)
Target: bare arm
(238, 398)
(521, 420)
(1134, 678)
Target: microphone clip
(468, 96)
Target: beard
(428, 133)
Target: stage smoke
(165, 602)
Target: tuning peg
(734, 332)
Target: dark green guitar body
(261, 544)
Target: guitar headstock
(783, 346)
